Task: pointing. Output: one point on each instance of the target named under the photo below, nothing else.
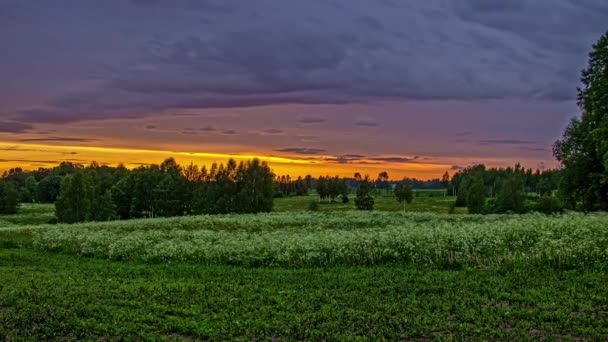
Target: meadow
(432, 201)
(337, 274)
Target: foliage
(331, 187)
(73, 203)
(29, 192)
(544, 182)
(103, 208)
(583, 149)
(48, 189)
(476, 194)
(314, 206)
(403, 192)
(244, 188)
(549, 205)
(511, 195)
(8, 198)
(287, 186)
(364, 199)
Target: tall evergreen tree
(583, 149)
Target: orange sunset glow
(33, 156)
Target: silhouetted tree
(48, 188)
(103, 208)
(73, 203)
(255, 185)
(29, 193)
(122, 196)
(583, 149)
(403, 192)
(511, 195)
(364, 199)
(9, 200)
(476, 194)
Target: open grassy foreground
(308, 276)
(45, 296)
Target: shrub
(8, 197)
(314, 206)
(549, 205)
(452, 209)
(364, 199)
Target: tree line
(501, 190)
(101, 192)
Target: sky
(415, 88)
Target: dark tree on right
(583, 148)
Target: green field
(427, 201)
(294, 275)
(29, 214)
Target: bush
(549, 205)
(452, 209)
(511, 197)
(8, 198)
(476, 196)
(364, 199)
(314, 206)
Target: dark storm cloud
(207, 129)
(57, 139)
(393, 159)
(229, 132)
(301, 150)
(366, 123)
(28, 161)
(273, 131)
(20, 149)
(150, 127)
(457, 168)
(534, 149)
(506, 142)
(188, 131)
(345, 158)
(14, 127)
(311, 120)
(223, 54)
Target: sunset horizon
(319, 170)
(316, 90)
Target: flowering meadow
(348, 238)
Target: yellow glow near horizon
(33, 156)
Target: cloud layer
(151, 56)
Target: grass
(383, 202)
(294, 275)
(29, 214)
(49, 296)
